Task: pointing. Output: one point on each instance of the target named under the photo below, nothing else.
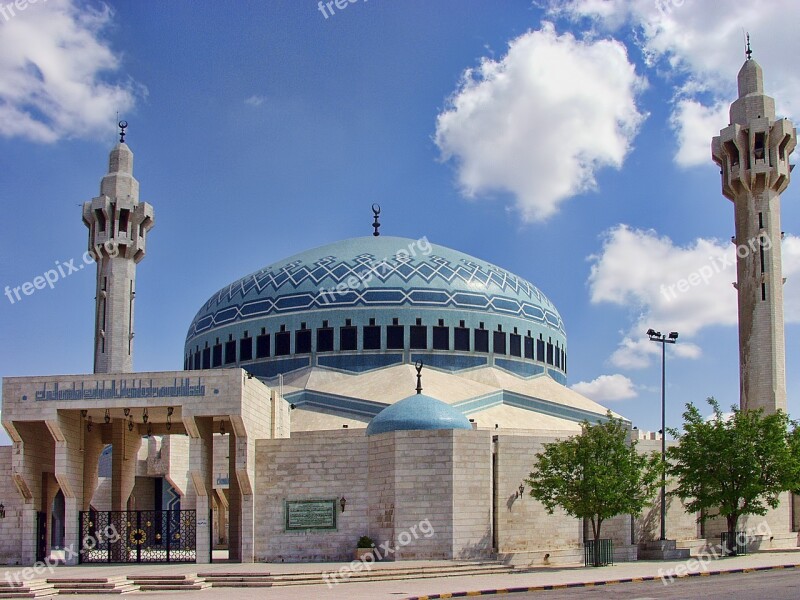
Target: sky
(568, 142)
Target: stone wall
(472, 494)
(680, 524)
(11, 527)
(417, 494)
(525, 533)
(311, 466)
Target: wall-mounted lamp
(2, 511)
(521, 490)
(107, 418)
(84, 412)
(222, 427)
(343, 502)
(130, 423)
(127, 411)
(145, 416)
(89, 424)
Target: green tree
(596, 475)
(736, 465)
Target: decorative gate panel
(142, 536)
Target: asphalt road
(774, 585)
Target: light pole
(656, 336)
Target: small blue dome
(417, 412)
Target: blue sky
(568, 142)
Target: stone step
(234, 574)
(91, 585)
(84, 586)
(158, 577)
(125, 589)
(41, 590)
(86, 580)
(241, 584)
(243, 580)
(173, 588)
(168, 583)
(163, 581)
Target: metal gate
(41, 536)
(141, 536)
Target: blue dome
(371, 302)
(417, 412)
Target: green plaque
(310, 514)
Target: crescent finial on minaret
(748, 52)
(123, 125)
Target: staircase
(91, 585)
(167, 583)
(254, 579)
(38, 588)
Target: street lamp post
(657, 336)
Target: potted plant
(364, 547)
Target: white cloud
(54, 69)
(694, 125)
(255, 100)
(607, 388)
(541, 122)
(702, 45)
(674, 288)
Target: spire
(376, 211)
(123, 125)
(751, 75)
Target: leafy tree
(596, 475)
(737, 465)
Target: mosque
(377, 386)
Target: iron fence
(599, 555)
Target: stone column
(201, 470)
(234, 505)
(69, 473)
(123, 463)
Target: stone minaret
(753, 155)
(118, 224)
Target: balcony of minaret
(118, 228)
(756, 158)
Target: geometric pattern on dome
(383, 297)
(295, 286)
(296, 273)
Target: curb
(564, 586)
